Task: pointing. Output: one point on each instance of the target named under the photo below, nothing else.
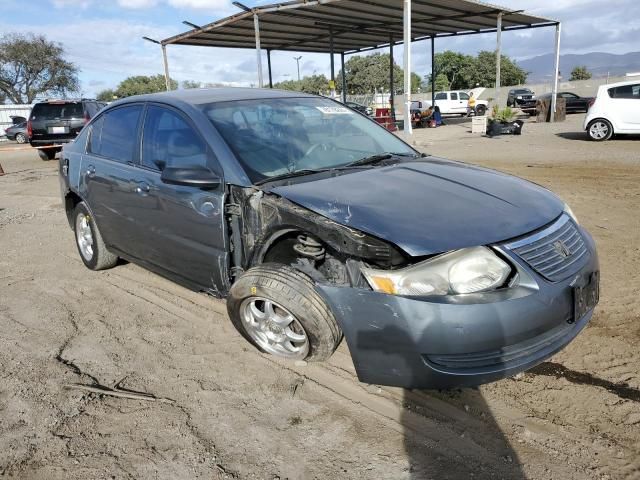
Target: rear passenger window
(94, 139)
(626, 91)
(119, 134)
(454, 96)
(169, 141)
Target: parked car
(616, 110)
(315, 222)
(360, 108)
(17, 132)
(457, 102)
(575, 103)
(53, 123)
(524, 99)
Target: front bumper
(463, 340)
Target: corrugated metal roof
(357, 25)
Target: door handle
(142, 188)
(91, 171)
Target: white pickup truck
(457, 101)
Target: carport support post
(433, 71)
(498, 58)
(556, 74)
(269, 67)
(408, 129)
(392, 81)
(344, 79)
(167, 80)
(256, 26)
(333, 64)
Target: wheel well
(70, 202)
(600, 119)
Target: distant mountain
(597, 63)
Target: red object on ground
(1, 170)
(383, 117)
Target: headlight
(568, 211)
(519, 97)
(470, 270)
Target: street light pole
(297, 59)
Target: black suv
(55, 122)
(523, 98)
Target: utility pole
(297, 59)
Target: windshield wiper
(380, 157)
(295, 173)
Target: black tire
(101, 257)
(481, 110)
(21, 138)
(294, 291)
(47, 154)
(603, 127)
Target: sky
(103, 37)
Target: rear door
(108, 175)
(625, 101)
(181, 227)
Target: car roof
(622, 84)
(199, 96)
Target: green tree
(485, 71)
(456, 71)
(456, 67)
(106, 95)
(141, 84)
(31, 66)
(580, 73)
(367, 73)
(311, 84)
(190, 84)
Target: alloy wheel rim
(599, 130)
(84, 236)
(276, 330)
(20, 138)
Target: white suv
(454, 102)
(616, 110)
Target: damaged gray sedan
(316, 223)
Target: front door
(182, 228)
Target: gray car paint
(423, 207)
(430, 206)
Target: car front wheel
(93, 251)
(278, 309)
(481, 110)
(600, 130)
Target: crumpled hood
(430, 206)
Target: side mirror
(190, 177)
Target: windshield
(273, 137)
(53, 111)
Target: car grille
(556, 252)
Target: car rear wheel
(278, 309)
(93, 251)
(600, 130)
(21, 138)
(47, 153)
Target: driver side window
(169, 141)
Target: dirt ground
(239, 414)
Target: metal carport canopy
(357, 25)
(351, 26)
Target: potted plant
(501, 122)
